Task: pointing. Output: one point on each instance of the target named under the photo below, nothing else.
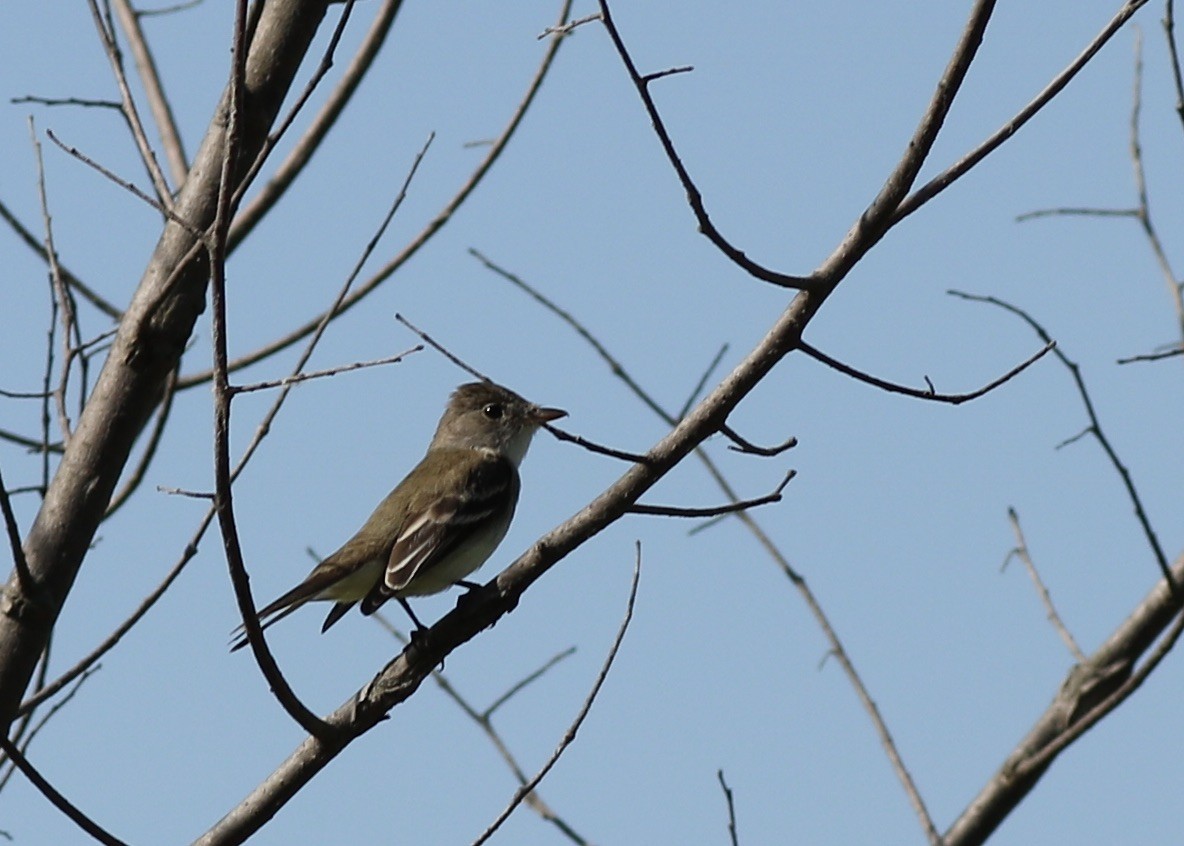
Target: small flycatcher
(441, 522)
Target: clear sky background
(792, 118)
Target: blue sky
(897, 518)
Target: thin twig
(1169, 30)
(928, 393)
(297, 378)
(166, 211)
(1021, 552)
(715, 510)
(483, 721)
(385, 272)
(65, 303)
(694, 197)
(1155, 356)
(568, 28)
(81, 102)
(960, 168)
(158, 101)
(57, 799)
(106, 28)
(731, 807)
(1175, 288)
(746, 446)
(693, 396)
(592, 446)
(73, 281)
(20, 564)
(1095, 429)
(570, 735)
(525, 682)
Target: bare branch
(694, 197)
(959, 169)
(483, 721)
(715, 510)
(57, 799)
(1089, 692)
(385, 272)
(766, 543)
(740, 444)
(1021, 552)
(928, 393)
(731, 808)
(223, 493)
(70, 279)
(297, 378)
(570, 735)
(14, 541)
(106, 29)
(158, 101)
(1095, 429)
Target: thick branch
(151, 338)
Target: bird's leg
(420, 631)
(470, 586)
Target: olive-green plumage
(441, 522)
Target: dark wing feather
(442, 524)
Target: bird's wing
(442, 523)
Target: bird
(440, 523)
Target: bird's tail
(276, 611)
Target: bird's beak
(546, 415)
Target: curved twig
(715, 510)
(694, 197)
(740, 444)
(433, 226)
(1095, 429)
(928, 393)
(570, 735)
(57, 799)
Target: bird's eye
(493, 411)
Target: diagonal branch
(158, 101)
(1095, 429)
(570, 735)
(960, 168)
(433, 226)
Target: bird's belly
(442, 574)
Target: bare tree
(208, 207)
